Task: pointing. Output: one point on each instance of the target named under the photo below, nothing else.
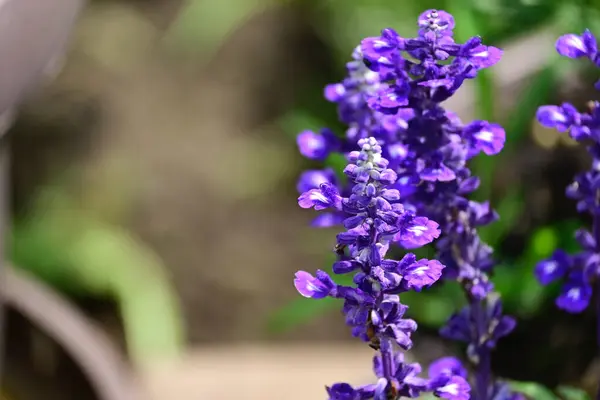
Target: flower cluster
(372, 306)
(393, 95)
(423, 72)
(579, 271)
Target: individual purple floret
(580, 272)
(372, 308)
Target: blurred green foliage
(85, 257)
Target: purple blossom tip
(334, 92)
(554, 117)
(456, 388)
(418, 232)
(575, 295)
(312, 179)
(576, 46)
(317, 146)
(326, 196)
(554, 268)
(447, 366)
(344, 391)
(437, 21)
(485, 56)
(423, 273)
(313, 287)
(327, 220)
(485, 136)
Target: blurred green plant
(85, 257)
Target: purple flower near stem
(344, 391)
(422, 274)
(576, 46)
(314, 287)
(485, 137)
(372, 308)
(553, 268)
(326, 196)
(317, 146)
(447, 365)
(448, 379)
(491, 324)
(312, 179)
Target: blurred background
(154, 227)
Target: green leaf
(572, 393)
(538, 92)
(298, 312)
(434, 306)
(203, 25)
(543, 242)
(533, 390)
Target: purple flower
(575, 46)
(391, 99)
(483, 56)
(317, 146)
(417, 232)
(577, 271)
(312, 179)
(438, 21)
(377, 49)
(575, 294)
(326, 196)
(563, 118)
(422, 274)
(344, 391)
(458, 326)
(554, 268)
(407, 181)
(404, 377)
(447, 366)
(327, 220)
(314, 287)
(454, 388)
(485, 137)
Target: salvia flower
(408, 185)
(372, 307)
(579, 273)
(418, 74)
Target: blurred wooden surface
(254, 372)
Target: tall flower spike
(579, 273)
(393, 93)
(372, 308)
(433, 172)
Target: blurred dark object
(58, 348)
(33, 37)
